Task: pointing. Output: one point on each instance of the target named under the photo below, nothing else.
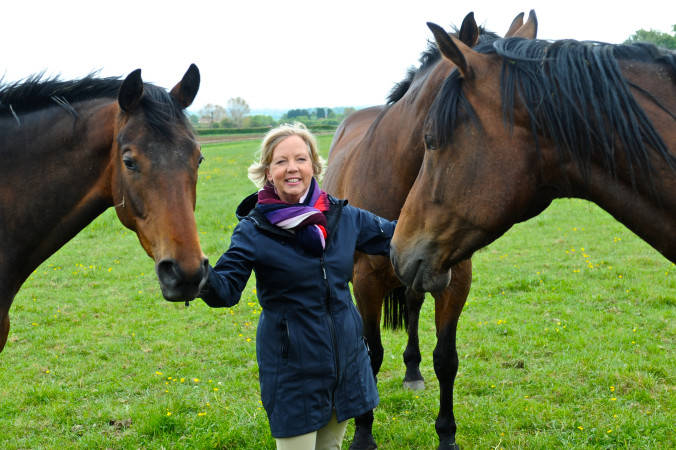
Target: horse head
(156, 159)
(446, 214)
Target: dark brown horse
(525, 122)
(373, 162)
(72, 149)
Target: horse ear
(451, 49)
(529, 30)
(516, 24)
(131, 91)
(186, 90)
(469, 31)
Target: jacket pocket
(366, 344)
(284, 326)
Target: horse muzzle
(179, 284)
(413, 270)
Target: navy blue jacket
(311, 355)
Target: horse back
(346, 146)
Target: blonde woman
(314, 368)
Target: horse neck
(646, 205)
(640, 193)
(55, 179)
(397, 137)
(424, 89)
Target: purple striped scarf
(306, 220)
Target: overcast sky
(274, 53)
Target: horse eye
(129, 163)
(201, 160)
(430, 142)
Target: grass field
(567, 341)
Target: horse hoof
(415, 385)
(363, 440)
(373, 447)
(448, 445)
(367, 447)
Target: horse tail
(395, 311)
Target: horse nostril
(172, 275)
(169, 273)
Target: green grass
(567, 341)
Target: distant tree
(227, 123)
(330, 114)
(656, 37)
(293, 114)
(194, 119)
(213, 113)
(348, 111)
(258, 121)
(307, 120)
(237, 109)
(321, 113)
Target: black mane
(428, 58)
(36, 93)
(552, 80)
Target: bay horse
(72, 149)
(373, 161)
(524, 122)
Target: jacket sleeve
(374, 232)
(228, 278)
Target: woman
(314, 368)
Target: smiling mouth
(293, 180)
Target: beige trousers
(328, 438)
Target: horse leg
(413, 379)
(4, 326)
(369, 291)
(448, 306)
(6, 300)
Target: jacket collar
(247, 206)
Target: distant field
(212, 136)
(567, 341)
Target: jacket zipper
(332, 329)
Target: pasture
(568, 340)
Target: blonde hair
(257, 170)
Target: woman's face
(290, 169)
